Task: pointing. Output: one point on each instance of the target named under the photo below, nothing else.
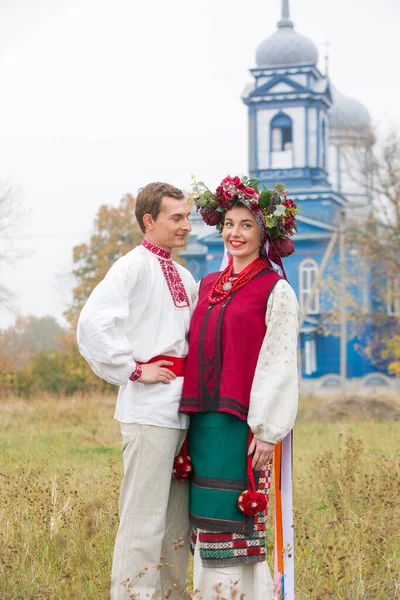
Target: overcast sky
(100, 97)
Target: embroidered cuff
(137, 373)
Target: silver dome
(286, 48)
(348, 114)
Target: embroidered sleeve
(274, 393)
(137, 373)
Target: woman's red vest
(224, 343)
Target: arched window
(308, 270)
(323, 146)
(281, 133)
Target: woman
(240, 385)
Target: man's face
(172, 223)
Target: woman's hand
(157, 373)
(262, 453)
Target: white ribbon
(276, 267)
(287, 517)
(225, 260)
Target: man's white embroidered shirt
(141, 309)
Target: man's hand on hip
(156, 372)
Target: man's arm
(101, 333)
(102, 339)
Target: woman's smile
(236, 243)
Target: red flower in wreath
(210, 215)
(284, 246)
(289, 204)
(290, 223)
(249, 192)
(229, 195)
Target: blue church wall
(296, 179)
(324, 210)
(306, 249)
(196, 266)
(328, 358)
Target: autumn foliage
(115, 233)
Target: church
(302, 131)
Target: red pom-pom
(252, 503)
(182, 468)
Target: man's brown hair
(149, 199)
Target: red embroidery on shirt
(157, 250)
(170, 272)
(175, 284)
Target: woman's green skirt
(218, 444)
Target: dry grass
(60, 472)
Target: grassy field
(60, 470)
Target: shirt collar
(157, 250)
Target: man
(133, 333)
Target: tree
(9, 221)
(30, 335)
(115, 233)
(373, 257)
(377, 242)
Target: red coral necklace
(227, 283)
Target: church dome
(286, 48)
(348, 114)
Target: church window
(393, 297)
(281, 133)
(310, 357)
(308, 270)
(323, 146)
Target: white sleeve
(274, 393)
(101, 337)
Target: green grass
(60, 471)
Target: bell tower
(288, 105)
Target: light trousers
(153, 515)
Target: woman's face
(241, 234)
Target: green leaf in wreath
(253, 183)
(265, 197)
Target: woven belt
(178, 368)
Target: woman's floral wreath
(273, 210)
